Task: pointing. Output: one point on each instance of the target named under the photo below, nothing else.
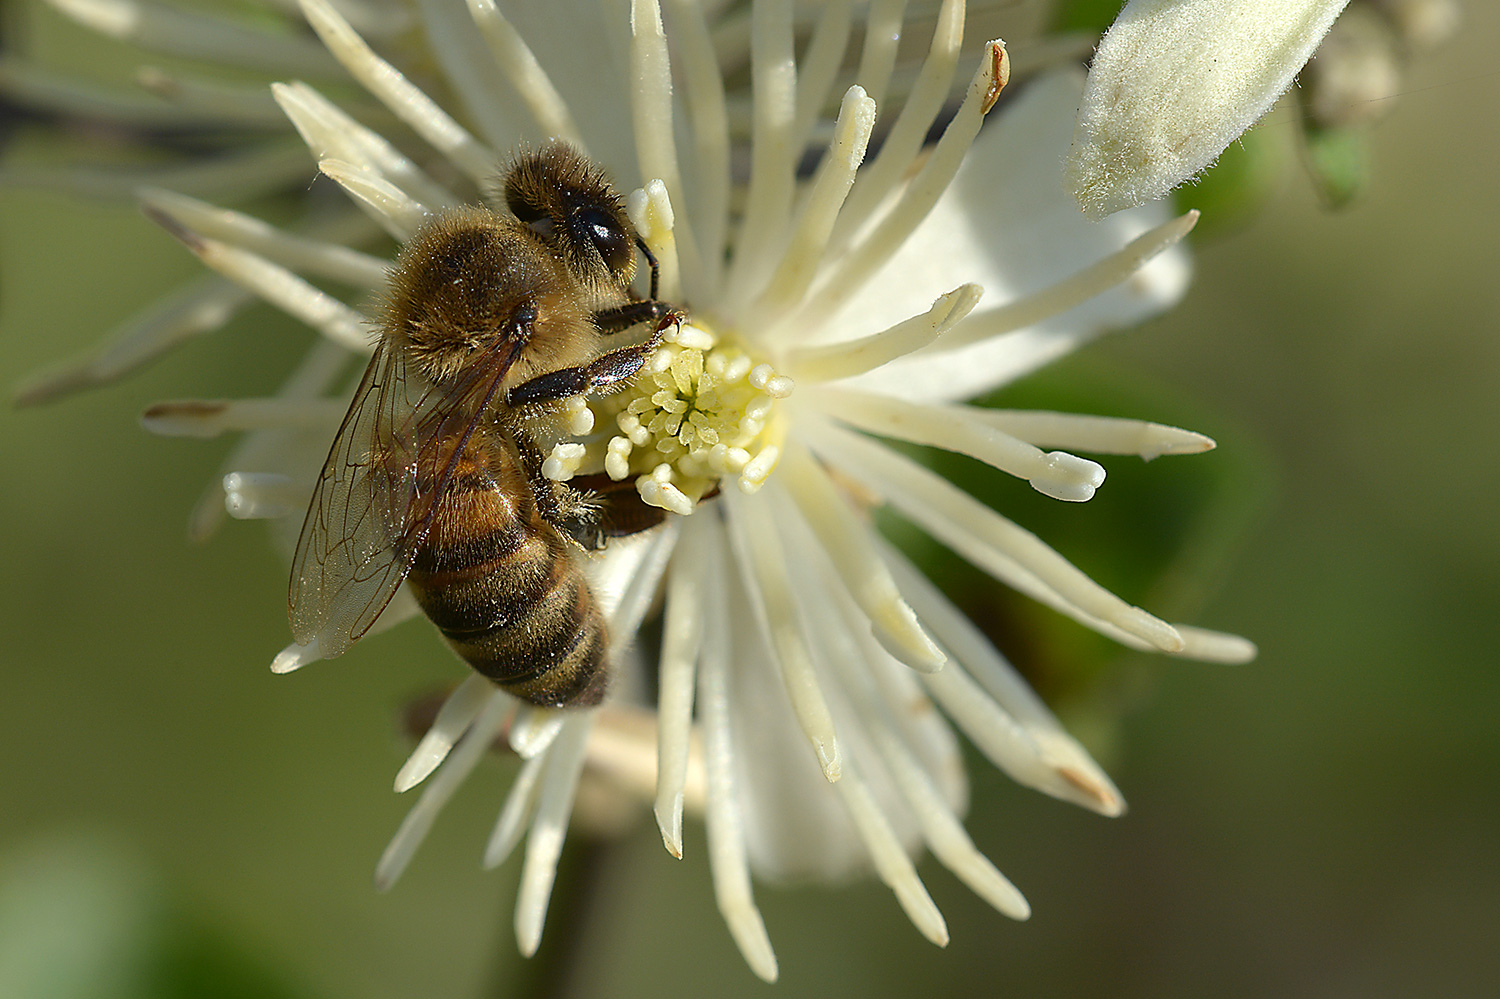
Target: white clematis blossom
(802, 655)
(1174, 82)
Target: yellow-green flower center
(699, 413)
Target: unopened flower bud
(1174, 82)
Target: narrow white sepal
(545, 841)
(453, 719)
(461, 762)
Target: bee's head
(571, 204)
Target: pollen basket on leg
(701, 411)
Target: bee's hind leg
(603, 372)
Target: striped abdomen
(501, 585)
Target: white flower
(802, 653)
(1176, 81)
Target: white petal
(682, 637)
(724, 818)
(1173, 83)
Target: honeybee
(489, 322)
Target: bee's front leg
(603, 372)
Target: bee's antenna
(650, 260)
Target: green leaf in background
(1233, 191)
(1338, 160)
(82, 918)
(1093, 16)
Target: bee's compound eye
(608, 236)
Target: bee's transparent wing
(374, 502)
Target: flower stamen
(700, 412)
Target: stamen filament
(386, 203)
(534, 729)
(328, 258)
(1012, 748)
(514, 58)
(900, 148)
(210, 102)
(882, 37)
(757, 546)
(158, 28)
(893, 710)
(402, 608)
(985, 538)
(1059, 751)
(963, 430)
(639, 591)
(871, 252)
(404, 98)
(703, 85)
(461, 762)
(820, 66)
(650, 211)
(38, 89)
(833, 361)
(199, 307)
(330, 133)
(944, 833)
(804, 250)
(207, 418)
(515, 814)
(1075, 289)
(277, 285)
(470, 71)
(260, 168)
(312, 379)
(773, 159)
(892, 865)
(1095, 434)
(682, 640)
(850, 547)
(728, 860)
(655, 137)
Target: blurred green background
(174, 820)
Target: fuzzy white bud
(1174, 82)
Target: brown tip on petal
(54, 385)
(176, 229)
(188, 407)
(1107, 802)
(1001, 74)
(157, 82)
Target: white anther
(694, 338)
(580, 417)
(617, 458)
(1068, 477)
(563, 462)
(754, 474)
